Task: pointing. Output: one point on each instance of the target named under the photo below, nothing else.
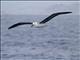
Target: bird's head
(35, 23)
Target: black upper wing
(18, 24)
(53, 15)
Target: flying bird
(39, 24)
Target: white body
(37, 25)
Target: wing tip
(68, 12)
(9, 28)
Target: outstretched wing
(18, 24)
(53, 15)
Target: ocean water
(59, 40)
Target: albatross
(39, 24)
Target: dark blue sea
(59, 40)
